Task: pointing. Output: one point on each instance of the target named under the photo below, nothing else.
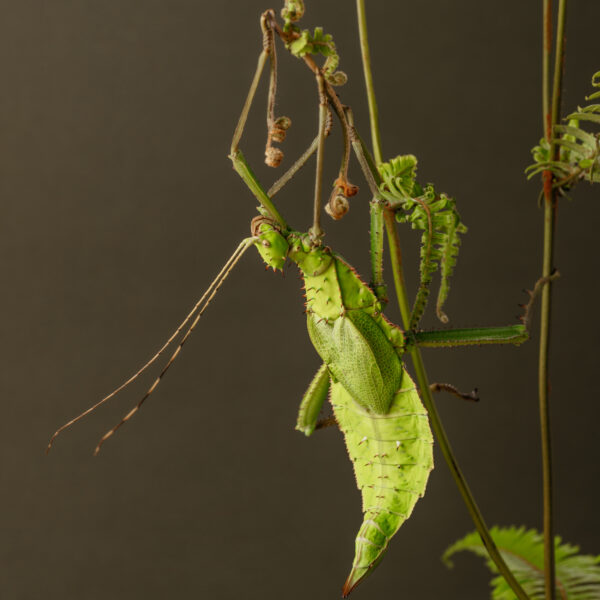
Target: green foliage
(432, 213)
(320, 43)
(579, 154)
(577, 575)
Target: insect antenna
(200, 306)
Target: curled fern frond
(292, 11)
(579, 156)
(577, 575)
(436, 216)
(320, 43)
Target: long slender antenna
(217, 284)
(211, 290)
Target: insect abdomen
(392, 455)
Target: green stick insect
(375, 402)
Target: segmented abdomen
(392, 455)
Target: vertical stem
(436, 423)
(396, 258)
(376, 207)
(551, 116)
(366, 60)
(316, 232)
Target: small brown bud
(338, 78)
(345, 187)
(283, 122)
(277, 134)
(273, 156)
(337, 207)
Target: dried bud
(338, 78)
(283, 123)
(337, 207)
(345, 187)
(273, 156)
(277, 134)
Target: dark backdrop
(119, 206)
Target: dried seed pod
(273, 156)
(337, 206)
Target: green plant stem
(366, 61)
(396, 258)
(436, 422)
(551, 116)
(376, 207)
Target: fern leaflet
(436, 216)
(579, 156)
(577, 575)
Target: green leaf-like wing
(577, 575)
(359, 356)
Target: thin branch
(551, 116)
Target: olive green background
(119, 206)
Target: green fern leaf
(579, 156)
(577, 575)
(432, 213)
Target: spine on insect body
(392, 456)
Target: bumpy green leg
(512, 334)
(312, 401)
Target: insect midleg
(312, 401)
(200, 306)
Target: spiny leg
(447, 387)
